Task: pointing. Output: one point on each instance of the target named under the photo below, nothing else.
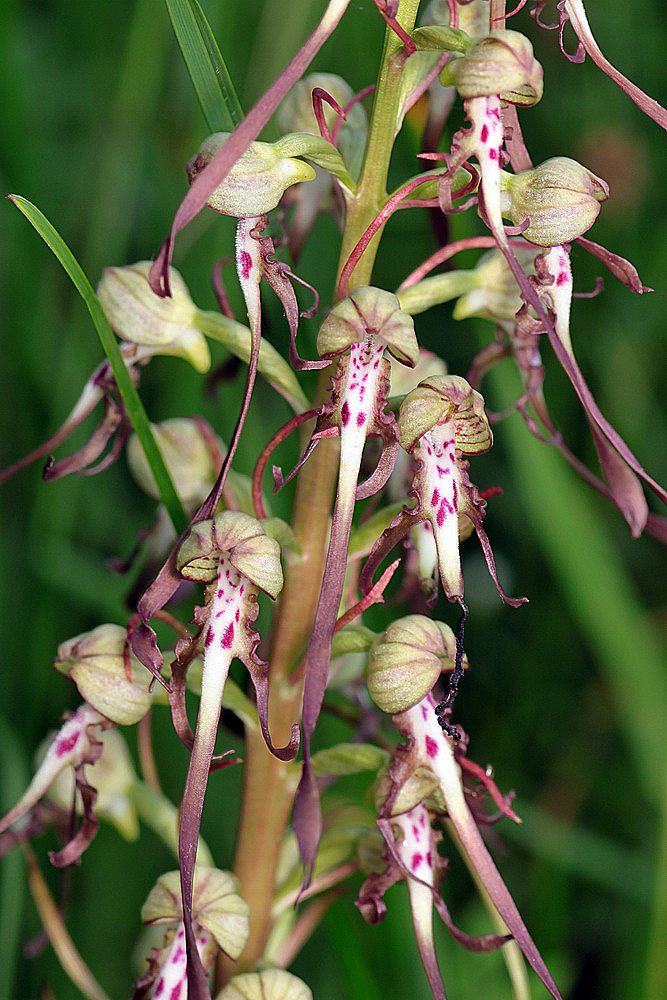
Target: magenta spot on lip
(345, 414)
(422, 819)
(440, 517)
(442, 471)
(415, 831)
(429, 859)
(361, 419)
(220, 592)
(176, 992)
(484, 134)
(452, 457)
(67, 743)
(209, 637)
(159, 988)
(431, 747)
(177, 956)
(417, 859)
(562, 278)
(455, 497)
(237, 615)
(435, 498)
(227, 637)
(424, 712)
(493, 154)
(245, 263)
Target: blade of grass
(133, 404)
(208, 72)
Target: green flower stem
(269, 786)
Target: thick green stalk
(269, 788)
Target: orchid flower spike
(219, 923)
(235, 559)
(440, 421)
(359, 329)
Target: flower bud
(495, 293)
(241, 539)
(448, 397)
(187, 455)
(107, 676)
(256, 182)
(112, 776)
(406, 660)
(369, 312)
(560, 198)
(502, 63)
(270, 984)
(138, 315)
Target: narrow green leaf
(438, 38)
(133, 404)
(364, 535)
(353, 639)
(349, 758)
(208, 72)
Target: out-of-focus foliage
(566, 696)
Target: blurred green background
(568, 696)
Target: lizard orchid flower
(358, 330)
(235, 559)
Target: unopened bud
(187, 455)
(369, 312)
(256, 182)
(559, 198)
(270, 984)
(107, 676)
(141, 317)
(406, 660)
(503, 63)
(494, 293)
(443, 398)
(239, 538)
